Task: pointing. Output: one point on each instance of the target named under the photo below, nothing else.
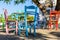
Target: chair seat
(11, 20)
(53, 20)
(11, 29)
(21, 29)
(53, 12)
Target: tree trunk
(58, 5)
(39, 5)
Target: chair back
(5, 14)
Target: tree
(39, 5)
(42, 8)
(15, 1)
(58, 5)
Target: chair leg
(56, 25)
(7, 29)
(16, 27)
(49, 26)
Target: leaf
(7, 1)
(22, 1)
(1, 0)
(19, 1)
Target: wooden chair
(7, 23)
(55, 20)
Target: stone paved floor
(41, 34)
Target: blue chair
(31, 13)
(21, 24)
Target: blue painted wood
(20, 23)
(16, 17)
(26, 22)
(25, 19)
(35, 21)
(31, 12)
(30, 7)
(35, 18)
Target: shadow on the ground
(9, 37)
(31, 36)
(55, 33)
(38, 36)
